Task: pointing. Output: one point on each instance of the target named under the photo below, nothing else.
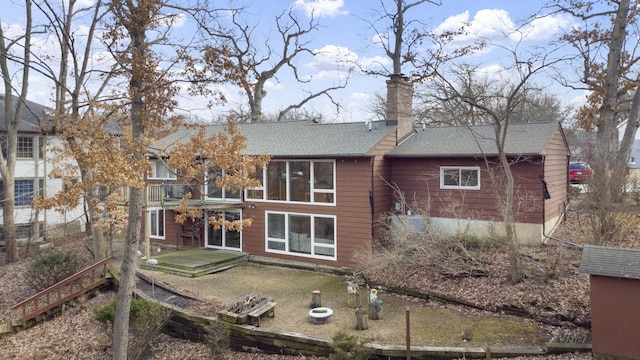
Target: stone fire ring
(320, 315)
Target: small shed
(614, 275)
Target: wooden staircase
(42, 303)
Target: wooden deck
(196, 262)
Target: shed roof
(31, 115)
(301, 138)
(610, 261)
(523, 139)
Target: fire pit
(320, 315)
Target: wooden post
(316, 299)
(353, 301)
(408, 321)
(362, 319)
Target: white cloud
(546, 27)
(496, 25)
(321, 8)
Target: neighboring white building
(634, 156)
(33, 166)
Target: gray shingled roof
(524, 139)
(30, 116)
(302, 139)
(610, 261)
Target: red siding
(352, 209)
(419, 179)
(615, 315)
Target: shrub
(217, 338)
(347, 347)
(49, 267)
(146, 320)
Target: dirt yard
(76, 336)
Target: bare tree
(260, 61)
(496, 100)
(13, 51)
(77, 117)
(538, 106)
(414, 50)
(607, 66)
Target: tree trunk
(515, 275)
(11, 244)
(127, 276)
(138, 23)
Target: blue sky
(345, 33)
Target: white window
(160, 170)
(460, 177)
(301, 181)
(632, 160)
(301, 235)
(156, 224)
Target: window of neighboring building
(297, 181)
(301, 234)
(156, 223)
(23, 192)
(465, 177)
(214, 191)
(24, 146)
(160, 170)
(26, 231)
(632, 160)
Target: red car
(579, 172)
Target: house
(448, 171)
(328, 185)
(614, 276)
(634, 156)
(33, 165)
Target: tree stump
(316, 299)
(362, 320)
(354, 300)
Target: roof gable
(523, 139)
(610, 261)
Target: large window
(216, 188)
(467, 177)
(301, 234)
(297, 181)
(160, 170)
(156, 224)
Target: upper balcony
(169, 195)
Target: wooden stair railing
(67, 289)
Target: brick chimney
(399, 105)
